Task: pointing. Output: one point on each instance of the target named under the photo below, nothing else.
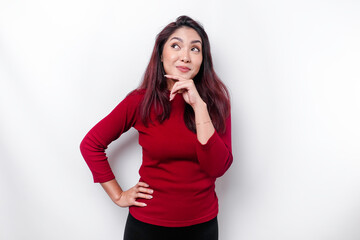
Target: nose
(185, 57)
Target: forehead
(185, 33)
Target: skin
(183, 48)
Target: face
(182, 53)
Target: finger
(142, 184)
(145, 190)
(172, 95)
(139, 204)
(142, 195)
(179, 87)
(175, 77)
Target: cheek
(168, 57)
(172, 57)
(197, 65)
(198, 62)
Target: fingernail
(151, 191)
(144, 205)
(150, 197)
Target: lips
(183, 69)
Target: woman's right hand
(128, 198)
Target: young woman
(182, 113)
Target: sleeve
(215, 156)
(96, 141)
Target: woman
(182, 114)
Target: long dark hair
(211, 89)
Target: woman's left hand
(187, 88)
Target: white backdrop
(292, 68)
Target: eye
(176, 46)
(195, 49)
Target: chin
(187, 75)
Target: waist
(178, 204)
(142, 224)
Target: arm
(204, 127)
(213, 150)
(95, 143)
(215, 156)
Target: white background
(293, 70)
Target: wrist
(200, 105)
(117, 197)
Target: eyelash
(198, 50)
(173, 46)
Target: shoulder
(135, 96)
(132, 101)
(136, 93)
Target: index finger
(175, 77)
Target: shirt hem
(104, 179)
(168, 223)
(210, 141)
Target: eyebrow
(177, 38)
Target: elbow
(83, 146)
(88, 147)
(219, 170)
(226, 166)
(91, 144)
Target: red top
(175, 164)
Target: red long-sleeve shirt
(180, 169)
